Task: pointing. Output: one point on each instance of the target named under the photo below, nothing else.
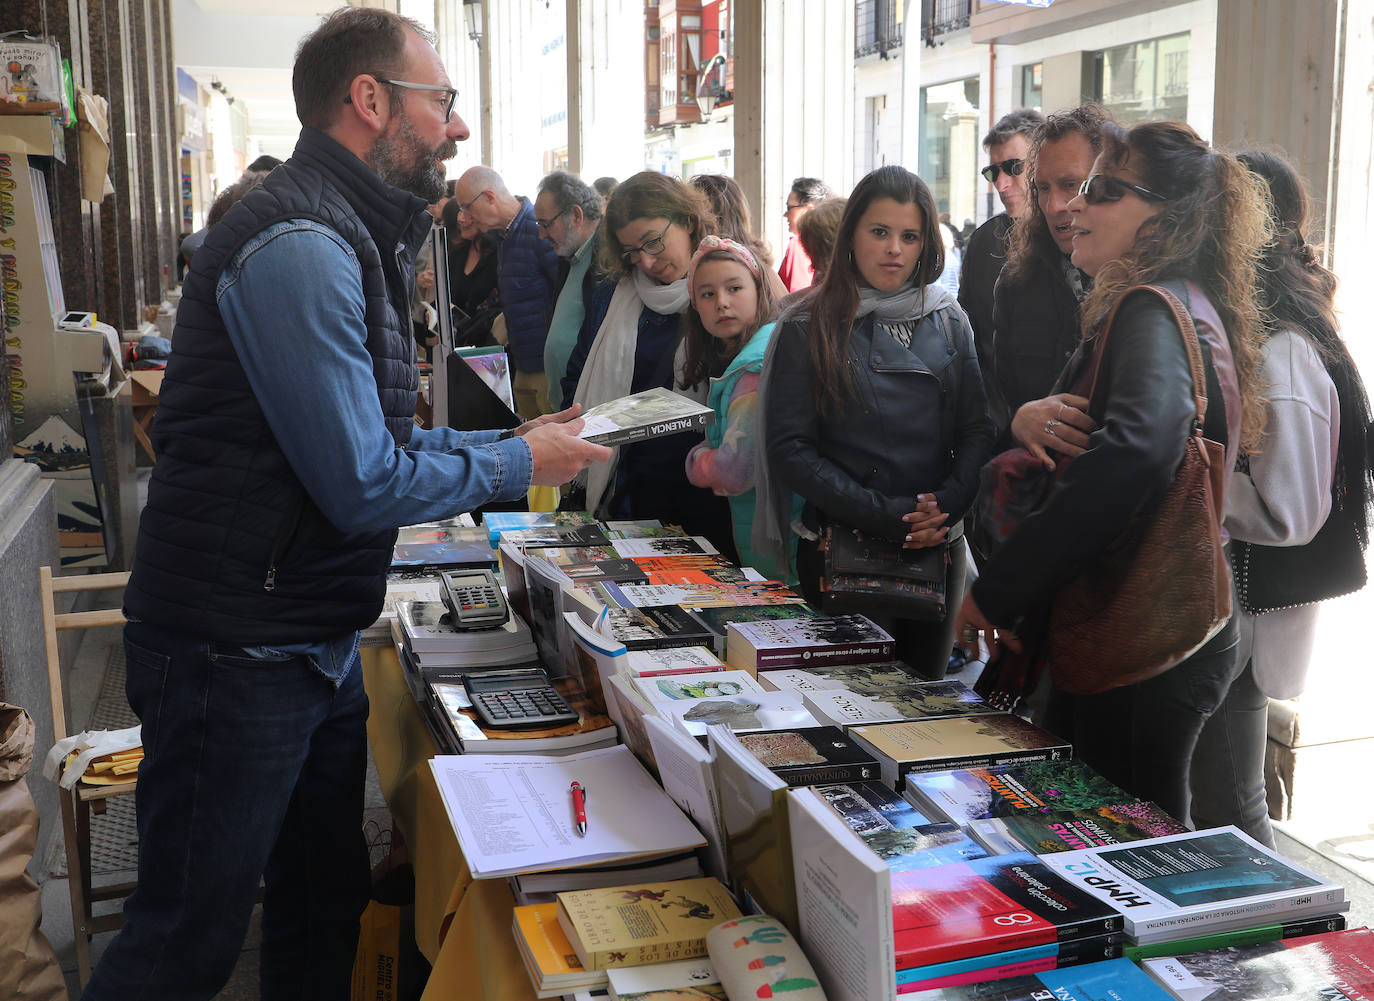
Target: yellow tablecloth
(462, 925)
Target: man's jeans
(253, 768)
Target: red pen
(579, 798)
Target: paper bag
(376, 969)
(29, 970)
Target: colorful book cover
(686, 571)
(870, 806)
(544, 943)
(810, 755)
(1066, 830)
(683, 687)
(967, 794)
(990, 905)
(1184, 884)
(907, 848)
(1337, 965)
(649, 923)
(442, 545)
(1011, 963)
(496, 522)
(561, 537)
(1112, 980)
(1238, 936)
(927, 700)
(821, 639)
(969, 741)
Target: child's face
(726, 298)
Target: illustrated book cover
(844, 677)
(655, 626)
(1111, 980)
(820, 639)
(996, 966)
(1067, 830)
(644, 923)
(964, 795)
(810, 755)
(927, 700)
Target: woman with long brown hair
(874, 406)
(1159, 207)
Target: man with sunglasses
(526, 275)
(287, 457)
(568, 215)
(1007, 144)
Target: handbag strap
(1190, 344)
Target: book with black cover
(810, 755)
(559, 537)
(967, 741)
(1012, 963)
(990, 905)
(655, 626)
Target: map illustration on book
(650, 414)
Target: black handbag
(1270, 578)
(865, 576)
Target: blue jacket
(527, 275)
(287, 453)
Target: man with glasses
(287, 457)
(526, 275)
(1007, 144)
(568, 215)
(796, 270)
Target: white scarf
(609, 371)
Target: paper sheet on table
(513, 813)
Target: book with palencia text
(652, 413)
(644, 923)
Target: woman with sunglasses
(874, 412)
(631, 340)
(1159, 207)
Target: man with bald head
(287, 457)
(526, 275)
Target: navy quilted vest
(230, 546)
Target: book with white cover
(686, 769)
(711, 685)
(514, 814)
(842, 677)
(928, 700)
(670, 660)
(686, 978)
(667, 545)
(428, 628)
(1198, 882)
(749, 711)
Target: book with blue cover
(1111, 980)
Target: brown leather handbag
(1163, 589)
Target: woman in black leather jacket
(1159, 207)
(874, 406)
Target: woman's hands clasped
(925, 526)
(1058, 423)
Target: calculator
(514, 700)
(474, 599)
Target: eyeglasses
(652, 246)
(791, 207)
(546, 224)
(451, 92)
(1099, 188)
(1013, 167)
(464, 209)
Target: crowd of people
(861, 382)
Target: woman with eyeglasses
(1159, 207)
(874, 411)
(631, 340)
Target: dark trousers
(923, 645)
(1228, 765)
(253, 773)
(1143, 737)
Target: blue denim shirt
(318, 393)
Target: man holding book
(287, 458)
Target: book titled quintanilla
(644, 923)
(650, 414)
(1185, 884)
(820, 639)
(956, 742)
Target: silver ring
(1060, 413)
(1050, 431)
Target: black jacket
(1144, 411)
(916, 422)
(231, 547)
(983, 259)
(1035, 332)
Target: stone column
(605, 88)
(798, 118)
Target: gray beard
(400, 161)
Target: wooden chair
(81, 801)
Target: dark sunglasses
(1099, 188)
(1013, 167)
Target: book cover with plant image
(968, 794)
(1066, 830)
